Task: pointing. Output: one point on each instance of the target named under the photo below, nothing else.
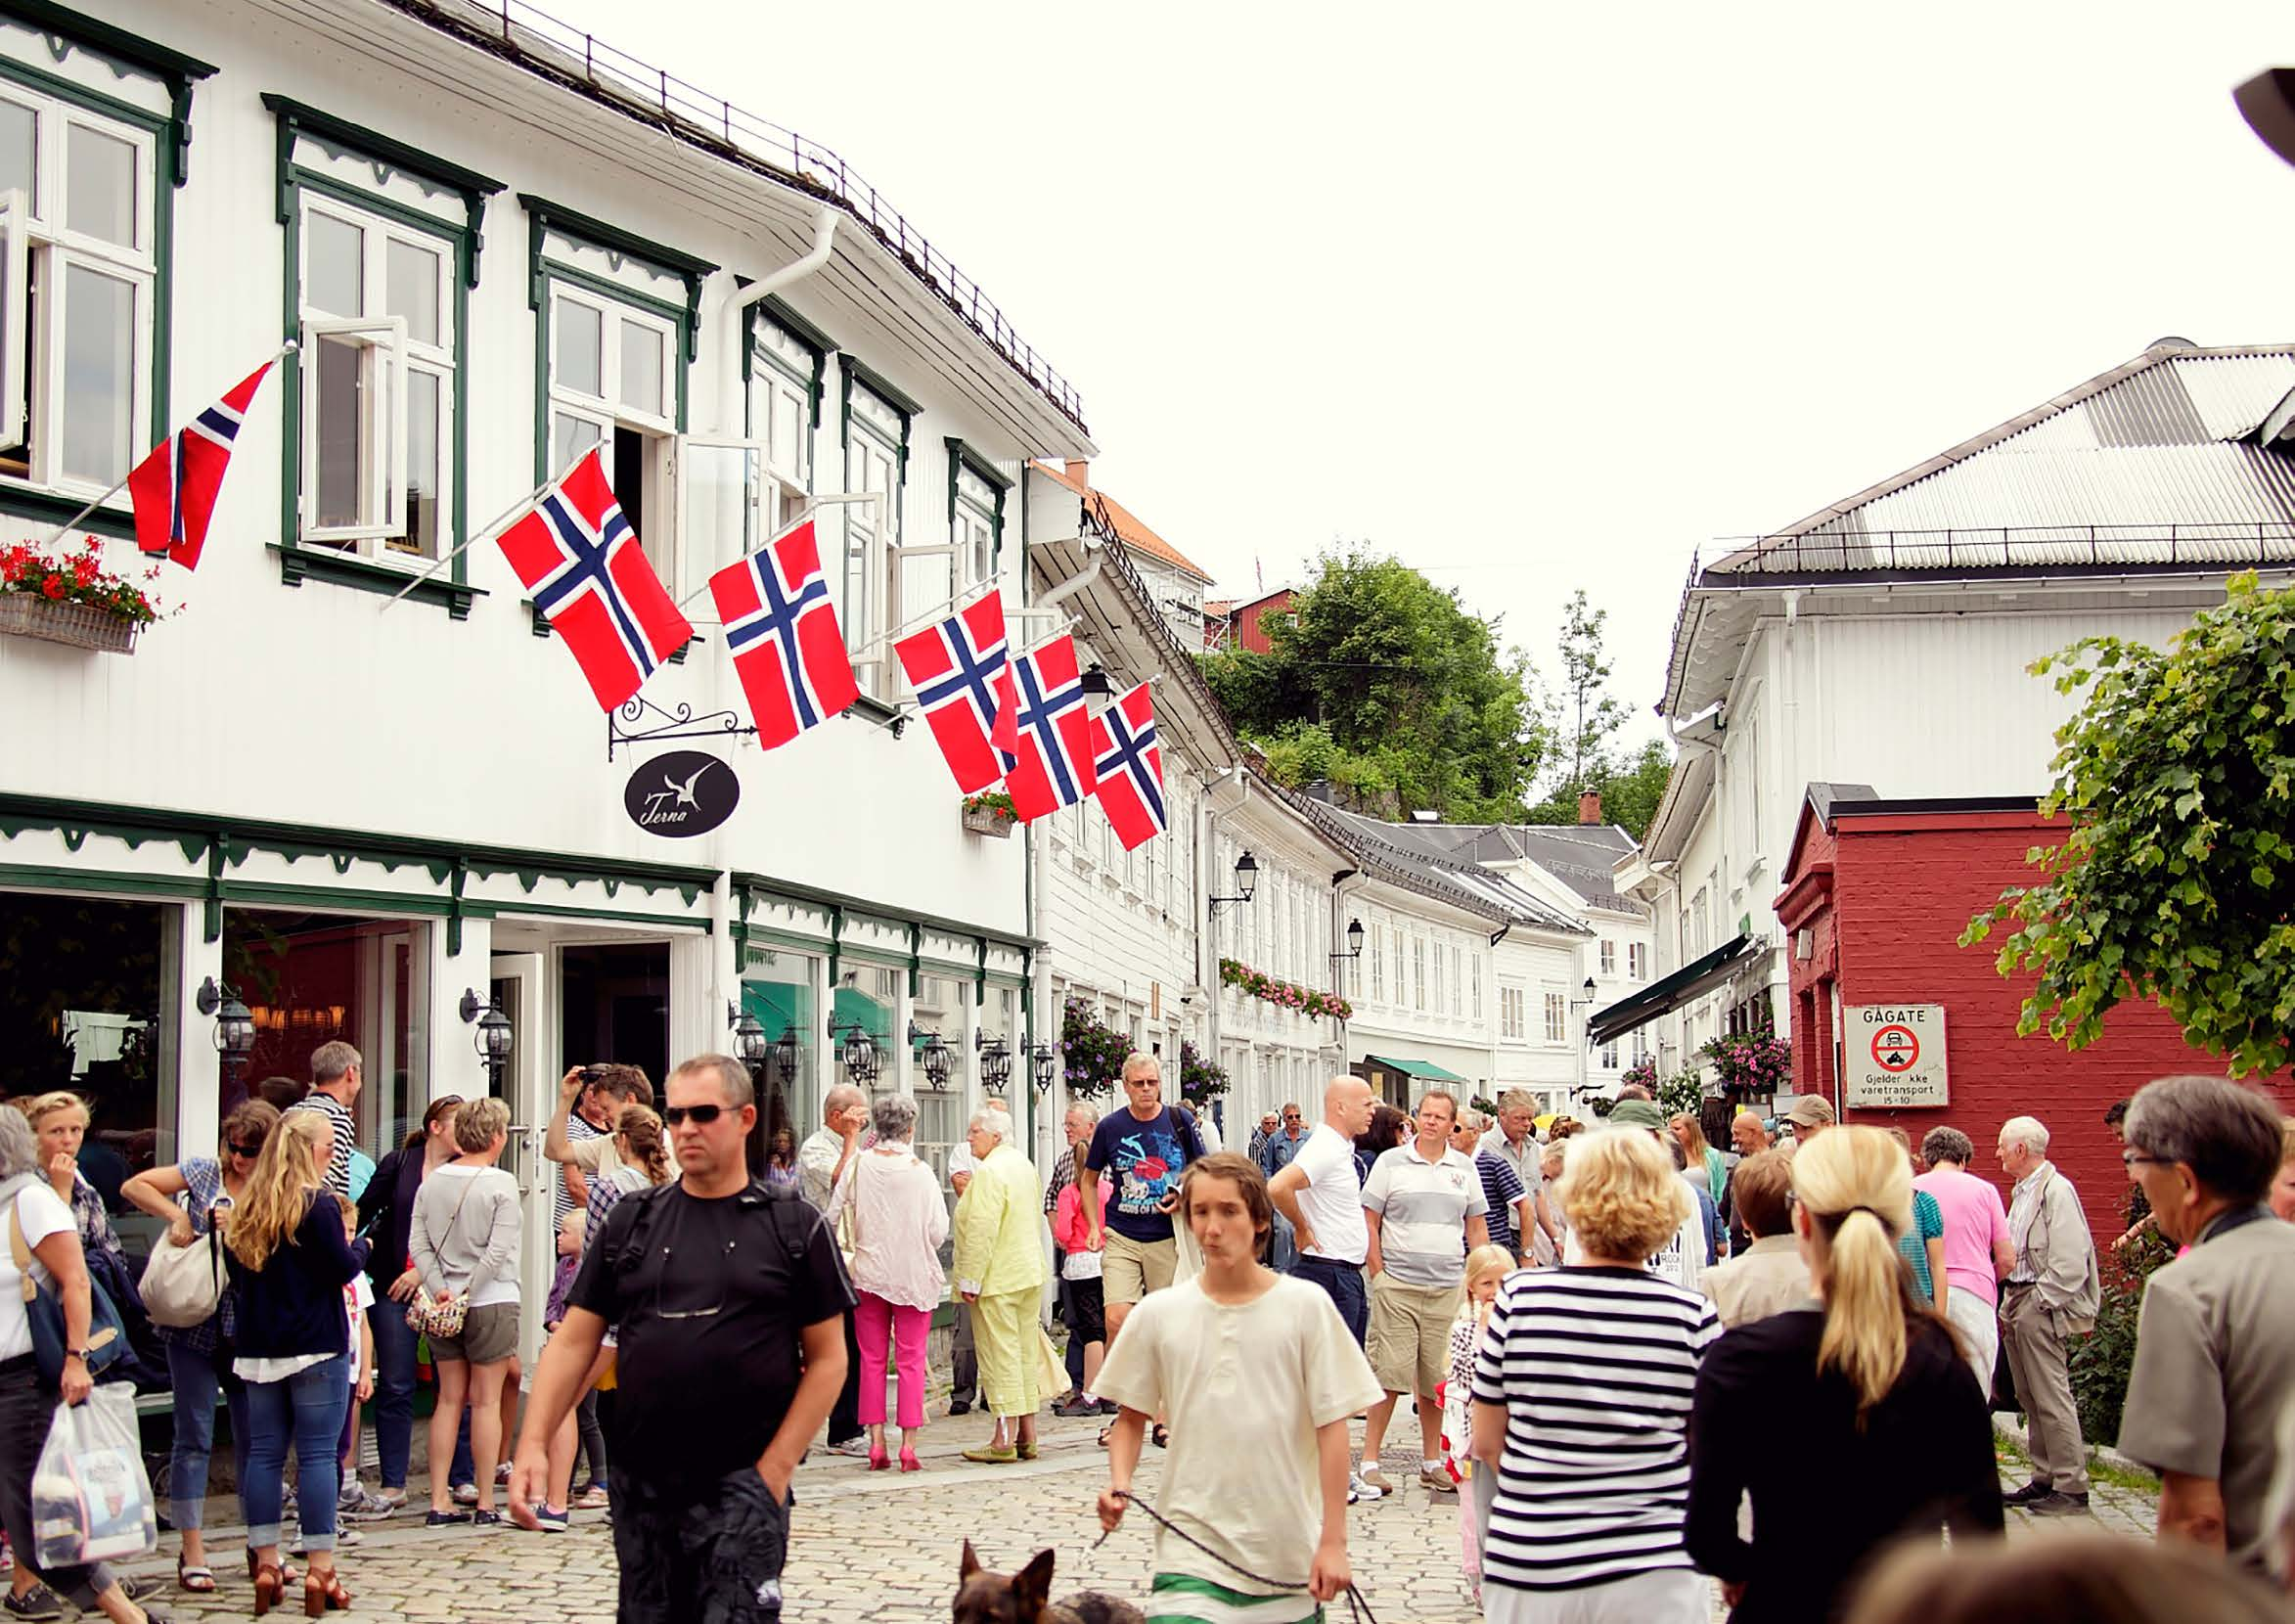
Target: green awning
(1426, 1070)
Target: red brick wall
(1904, 888)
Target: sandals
(322, 1593)
(1160, 1435)
(269, 1586)
(197, 1578)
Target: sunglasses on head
(701, 1116)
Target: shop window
(614, 1007)
(82, 1008)
(315, 979)
(869, 995)
(941, 1112)
(780, 996)
(78, 272)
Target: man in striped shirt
(335, 1077)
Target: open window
(612, 385)
(16, 329)
(725, 508)
(354, 474)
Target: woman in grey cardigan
(465, 1239)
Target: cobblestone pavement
(871, 1547)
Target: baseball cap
(1812, 1111)
(1637, 1113)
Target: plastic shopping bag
(91, 1499)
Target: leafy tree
(1629, 797)
(2174, 881)
(1587, 714)
(1387, 686)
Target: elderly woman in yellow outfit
(1000, 1272)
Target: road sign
(1896, 1056)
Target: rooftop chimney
(1079, 473)
(1589, 807)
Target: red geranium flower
(53, 587)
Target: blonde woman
(1486, 1268)
(290, 1260)
(1889, 1440)
(464, 1243)
(60, 1120)
(1704, 1161)
(1581, 1387)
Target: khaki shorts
(1131, 1269)
(1409, 1343)
(489, 1334)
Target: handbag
(43, 1309)
(426, 1316)
(183, 1285)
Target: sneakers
(359, 1505)
(38, 1603)
(1357, 1489)
(959, 1407)
(446, 1519)
(466, 1494)
(551, 1520)
(1436, 1481)
(138, 1589)
(345, 1538)
(2026, 1495)
(594, 1497)
(1372, 1479)
(856, 1445)
(1077, 1407)
(485, 1519)
(2059, 1504)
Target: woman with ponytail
(1885, 1436)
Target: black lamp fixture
(996, 1061)
(750, 1045)
(1097, 688)
(494, 1038)
(235, 1026)
(935, 1054)
(1354, 942)
(1047, 1066)
(784, 1052)
(1247, 883)
(1591, 993)
(856, 1050)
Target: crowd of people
(1638, 1364)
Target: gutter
(823, 246)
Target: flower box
(991, 821)
(76, 626)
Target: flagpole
(486, 529)
(285, 349)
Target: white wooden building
(1884, 641)
(350, 817)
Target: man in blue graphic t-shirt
(1145, 1145)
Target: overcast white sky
(1535, 297)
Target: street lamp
(492, 1039)
(996, 1061)
(784, 1052)
(935, 1054)
(1047, 1064)
(1246, 881)
(856, 1050)
(1590, 992)
(750, 1045)
(1354, 942)
(235, 1026)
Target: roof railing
(540, 42)
(2193, 545)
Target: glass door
(528, 1086)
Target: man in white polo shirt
(1425, 1209)
(1319, 1191)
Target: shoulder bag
(182, 1286)
(426, 1316)
(43, 1307)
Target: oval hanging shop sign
(681, 793)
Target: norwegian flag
(781, 631)
(174, 488)
(590, 577)
(958, 668)
(1128, 763)
(1052, 768)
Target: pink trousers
(875, 1324)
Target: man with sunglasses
(728, 1297)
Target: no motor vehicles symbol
(1895, 1049)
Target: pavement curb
(2010, 1427)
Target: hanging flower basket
(75, 625)
(990, 814)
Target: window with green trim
(79, 271)
(785, 382)
(876, 454)
(611, 385)
(975, 514)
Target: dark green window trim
(66, 28)
(386, 156)
(820, 345)
(166, 157)
(961, 459)
(341, 138)
(547, 216)
(840, 904)
(907, 410)
(41, 507)
(546, 271)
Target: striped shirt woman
(1581, 1393)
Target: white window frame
(1609, 957)
(975, 532)
(1637, 961)
(1557, 1018)
(696, 558)
(384, 338)
(15, 298)
(775, 383)
(872, 541)
(37, 226)
(397, 356)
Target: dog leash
(1356, 1607)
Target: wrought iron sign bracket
(679, 723)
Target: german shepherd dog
(1023, 1598)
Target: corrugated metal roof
(2150, 462)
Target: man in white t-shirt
(1317, 1194)
(1258, 1377)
